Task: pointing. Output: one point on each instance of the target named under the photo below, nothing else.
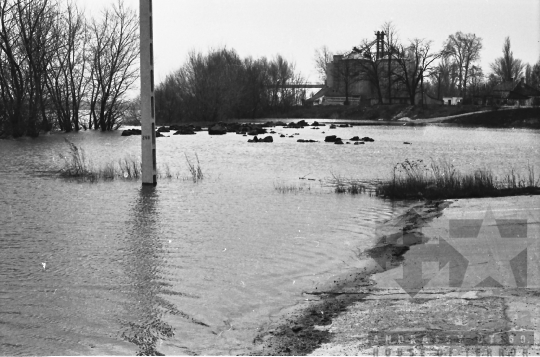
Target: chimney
(378, 40)
(382, 44)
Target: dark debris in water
(301, 333)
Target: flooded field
(194, 268)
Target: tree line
(415, 66)
(220, 85)
(56, 63)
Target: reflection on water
(185, 268)
(143, 267)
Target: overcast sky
(295, 28)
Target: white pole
(148, 122)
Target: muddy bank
(303, 329)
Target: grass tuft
(196, 171)
(283, 187)
(130, 168)
(74, 162)
(440, 180)
(165, 172)
(344, 185)
(75, 165)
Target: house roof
(526, 90)
(515, 95)
(513, 90)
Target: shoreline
(371, 312)
(403, 115)
(301, 329)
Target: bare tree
(281, 73)
(254, 87)
(371, 68)
(114, 51)
(40, 40)
(27, 42)
(447, 77)
(220, 85)
(323, 56)
(391, 45)
(67, 78)
(13, 76)
(414, 63)
(476, 80)
(464, 51)
(507, 68)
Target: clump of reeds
(344, 185)
(513, 179)
(75, 165)
(130, 168)
(165, 172)
(440, 180)
(283, 187)
(74, 162)
(195, 170)
(108, 172)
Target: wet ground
(478, 294)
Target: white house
(452, 100)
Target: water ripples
(192, 268)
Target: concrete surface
(471, 288)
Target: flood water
(111, 268)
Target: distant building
(452, 100)
(347, 79)
(336, 73)
(514, 93)
(343, 75)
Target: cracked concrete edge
(517, 303)
(274, 337)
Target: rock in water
(217, 129)
(330, 139)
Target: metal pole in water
(148, 121)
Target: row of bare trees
(465, 77)
(406, 68)
(220, 85)
(414, 66)
(56, 63)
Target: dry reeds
(344, 185)
(130, 168)
(74, 162)
(440, 180)
(75, 165)
(196, 171)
